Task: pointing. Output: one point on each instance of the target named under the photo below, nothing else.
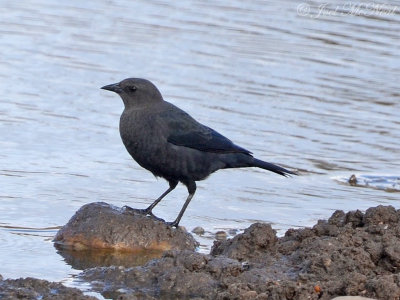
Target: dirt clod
(33, 289)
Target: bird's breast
(141, 137)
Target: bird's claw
(172, 224)
(146, 212)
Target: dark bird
(171, 144)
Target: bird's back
(170, 143)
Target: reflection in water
(85, 259)
(317, 93)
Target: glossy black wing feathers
(185, 131)
(206, 140)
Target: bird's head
(135, 91)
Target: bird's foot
(172, 224)
(136, 210)
(146, 212)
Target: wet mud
(350, 254)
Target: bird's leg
(172, 185)
(148, 210)
(191, 185)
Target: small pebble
(183, 228)
(220, 235)
(198, 230)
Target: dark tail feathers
(271, 167)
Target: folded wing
(187, 132)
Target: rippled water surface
(318, 92)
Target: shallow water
(312, 89)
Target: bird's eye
(132, 88)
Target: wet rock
(198, 230)
(33, 289)
(353, 180)
(102, 226)
(177, 275)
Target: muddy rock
(177, 275)
(350, 254)
(33, 289)
(381, 215)
(102, 226)
(257, 240)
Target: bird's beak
(113, 88)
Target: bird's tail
(271, 167)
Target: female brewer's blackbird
(171, 144)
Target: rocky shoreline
(350, 254)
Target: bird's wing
(183, 130)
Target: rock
(177, 275)
(255, 239)
(33, 289)
(381, 215)
(198, 230)
(102, 226)
(350, 254)
(353, 180)
(221, 235)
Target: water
(314, 91)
